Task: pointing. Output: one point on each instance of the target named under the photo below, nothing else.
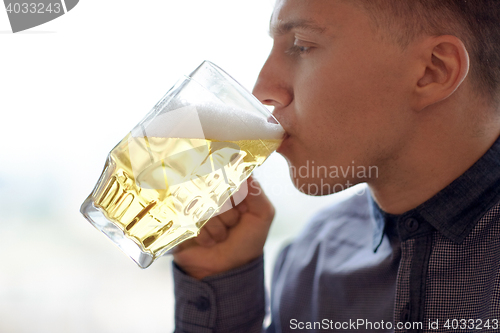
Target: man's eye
(298, 50)
(303, 49)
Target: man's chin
(319, 187)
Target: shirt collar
(454, 211)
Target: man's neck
(435, 157)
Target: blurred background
(70, 90)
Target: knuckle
(218, 232)
(204, 238)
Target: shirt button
(202, 304)
(411, 225)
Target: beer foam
(213, 122)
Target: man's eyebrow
(282, 28)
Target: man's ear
(444, 66)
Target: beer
(168, 203)
(157, 191)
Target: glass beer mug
(180, 164)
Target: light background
(70, 90)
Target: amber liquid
(172, 186)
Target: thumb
(256, 202)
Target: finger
(184, 245)
(205, 239)
(230, 218)
(256, 201)
(216, 228)
(242, 208)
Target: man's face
(340, 91)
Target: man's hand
(229, 240)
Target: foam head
(213, 122)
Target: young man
(412, 88)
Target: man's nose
(273, 86)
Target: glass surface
(178, 167)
